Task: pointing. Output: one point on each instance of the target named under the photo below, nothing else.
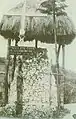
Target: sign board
(21, 50)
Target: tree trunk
(63, 66)
(57, 63)
(6, 74)
(63, 57)
(14, 63)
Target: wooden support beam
(19, 105)
(14, 63)
(6, 74)
(36, 43)
(58, 51)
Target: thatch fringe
(39, 28)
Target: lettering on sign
(21, 50)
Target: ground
(72, 108)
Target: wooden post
(36, 42)
(6, 74)
(58, 52)
(19, 105)
(14, 63)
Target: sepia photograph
(37, 59)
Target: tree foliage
(46, 7)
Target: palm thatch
(39, 28)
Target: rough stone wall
(36, 81)
(36, 90)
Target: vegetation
(8, 111)
(68, 86)
(2, 60)
(47, 7)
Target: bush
(8, 110)
(69, 94)
(37, 114)
(61, 114)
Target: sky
(70, 50)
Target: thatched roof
(40, 28)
